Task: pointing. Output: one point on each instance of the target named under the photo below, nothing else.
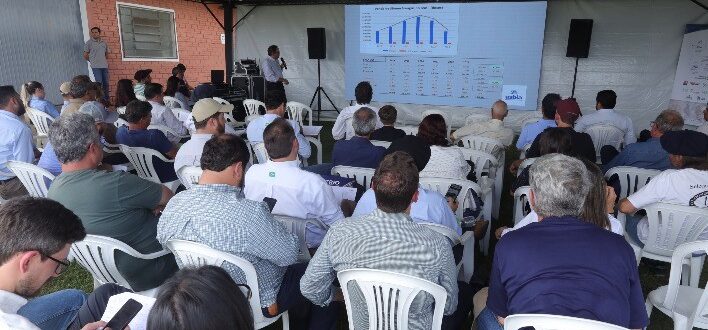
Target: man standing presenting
(273, 71)
(95, 52)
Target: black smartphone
(453, 191)
(125, 315)
(271, 202)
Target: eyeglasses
(248, 288)
(62, 265)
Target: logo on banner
(514, 95)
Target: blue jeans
(53, 311)
(488, 321)
(101, 75)
(630, 228)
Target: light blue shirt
(530, 131)
(255, 129)
(49, 161)
(608, 117)
(649, 154)
(271, 69)
(431, 207)
(44, 106)
(15, 142)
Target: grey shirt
(97, 50)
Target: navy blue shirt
(153, 139)
(387, 133)
(357, 152)
(648, 154)
(565, 266)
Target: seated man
(80, 92)
(363, 94)
(530, 131)
(648, 154)
(358, 151)
(113, 204)
(298, 193)
(684, 185)
(606, 115)
(215, 213)
(137, 134)
(387, 116)
(493, 128)
(388, 239)
(575, 268)
(162, 115)
(208, 116)
(15, 141)
(275, 108)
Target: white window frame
(120, 33)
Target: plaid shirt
(219, 216)
(383, 241)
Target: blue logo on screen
(513, 95)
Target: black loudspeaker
(579, 38)
(316, 43)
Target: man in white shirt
(275, 108)
(493, 128)
(606, 115)
(298, 193)
(273, 71)
(15, 141)
(685, 185)
(208, 116)
(343, 128)
(162, 115)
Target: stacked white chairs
(260, 152)
(142, 161)
(671, 225)
(388, 297)
(384, 144)
(521, 200)
(298, 227)
(466, 266)
(173, 102)
(189, 175)
(35, 179)
(97, 255)
(299, 112)
(166, 130)
(631, 179)
(191, 254)
(362, 175)
(555, 322)
(448, 121)
(686, 305)
(41, 122)
(603, 135)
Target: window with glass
(147, 32)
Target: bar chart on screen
(422, 29)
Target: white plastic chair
(475, 118)
(97, 255)
(389, 296)
(524, 164)
(252, 106)
(466, 266)
(196, 255)
(631, 179)
(555, 322)
(120, 122)
(445, 116)
(603, 135)
(41, 122)
(384, 144)
(686, 305)
(173, 103)
(410, 130)
(671, 225)
(484, 162)
(140, 97)
(120, 110)
(35, 179)
(142, 161)
(298, 227)
(522, 154)
(521, 199)
(189, 175)
(318, 149)
(362, 175)
(296, 109)
(231, 121)
(483, 143)
(182, 114)
(167, 131)
(260, 152)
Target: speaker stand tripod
(318, 92)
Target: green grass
(77, 277)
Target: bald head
(499, 110)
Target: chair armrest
(318, 145)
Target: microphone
(285, 66)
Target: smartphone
(453, 191)
(271, 202)
(124, 315)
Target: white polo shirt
(608, 117)
(190, 153)
(162, 115)
(298, 193)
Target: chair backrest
(252, 106)
(603, 135)
(483, 143)
(555, 322)
(298, 227)
(677, 262)
(35, 179)
(484, 162)
(120, 110)
(521, 201)
(182, 114)
(140, 97)
(173, 102)
(296, 109)
(388, 297)
(524, 164)
(384, 144)
(261, 153)
(445, 116)
(475, 118)
(189, 175)
(40, 120)
(120, 122)
(196, 255)
(631, 178)
(671, 225)
(141, 159)
(441, 185)
(362, 175)
(450, 234)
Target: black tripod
(318, 92)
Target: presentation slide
(446, 54)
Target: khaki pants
(12, 188)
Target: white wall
(634, 51)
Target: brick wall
(198, 40)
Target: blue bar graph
(417, 30)
(403, 38)
(444, 37)
(431, 30)
(390, 35)
(377, 37)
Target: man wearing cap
(65, 90)
(142, 77)
(687, 184)
(79, 90)
(208, 116)
(493, 128)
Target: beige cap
(206, 108)
(65, 87)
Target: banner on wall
(690, 90)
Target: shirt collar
(205, 136)
(34, 98)
(78, 101)
(606, 110)
(496, 122)
(219, 188)
(9, 114)
(378, 213)
(289, 163)
(10, 302)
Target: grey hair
(364, 121)
(71, 135)
(79, 88)
(560, 185)
(669, 120)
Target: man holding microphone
(273, 71)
